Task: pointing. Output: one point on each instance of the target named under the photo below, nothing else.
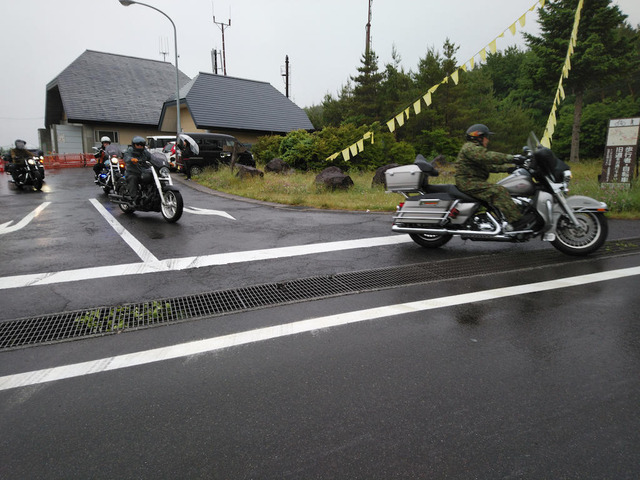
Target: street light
(126, 3)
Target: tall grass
(300, 189)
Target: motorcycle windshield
(112, 150)
(158, 160)
(532, 142)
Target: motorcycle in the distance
(157, 192)
(432, 214)
(27, 172)
(113, 169)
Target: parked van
(163, 144)
(157, 143)
(215, 148)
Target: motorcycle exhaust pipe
(444, 231)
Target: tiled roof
(103, 87)
(217, 101)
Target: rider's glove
(134, 160)
(511, 169)
(519, 159)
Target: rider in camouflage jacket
(473, 165)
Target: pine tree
(602, 54)
(367, 108)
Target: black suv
(215, 148)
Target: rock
(248, 172)
(439, 161)
(379, 177)
(277, 165)
(333, 179)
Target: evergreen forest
(512, 92)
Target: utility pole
(367, 47)
(222, 26)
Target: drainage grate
(107, 320)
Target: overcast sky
(323, 39)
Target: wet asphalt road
(543, 384)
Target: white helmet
(105, 139)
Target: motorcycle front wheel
(430, 241)
(37, 180)
(172, 206)
(588, 239)
(123, 192)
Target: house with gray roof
(119, 96)
(243, 108)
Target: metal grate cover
(114, 319)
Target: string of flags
(560, 95)
(399, 119)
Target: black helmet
(138, 140)
(475, 133)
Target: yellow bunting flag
(368, 135)
(345, 154)
(472, 62)
(427, 98)
(417, 107)
(400, 119)
(354, 150)
(406, 112)
(522, 20)
(391, 125)
(483, 54)
(360, 145)
(512, 29)
(454, 77)
(492, 46)
(560, 94)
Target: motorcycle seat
(453, 191)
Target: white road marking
(172, 264)
(8, 228)
(140, 250)
(204, 211)
(261, 334)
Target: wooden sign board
(621, 152)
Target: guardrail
(69, 160)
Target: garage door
(68, 139)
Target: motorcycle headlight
(114, 160)
(31, 161)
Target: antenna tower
(367, 47)
(164, 48)
(287, 75)
(222, 26)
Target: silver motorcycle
(433, 214)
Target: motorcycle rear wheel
(576, 242)
(430, 241)
(172, 209)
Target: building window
(106, 133)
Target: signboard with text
(621, 152)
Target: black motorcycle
(112, 170)
(27, 172)
(156, 191)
